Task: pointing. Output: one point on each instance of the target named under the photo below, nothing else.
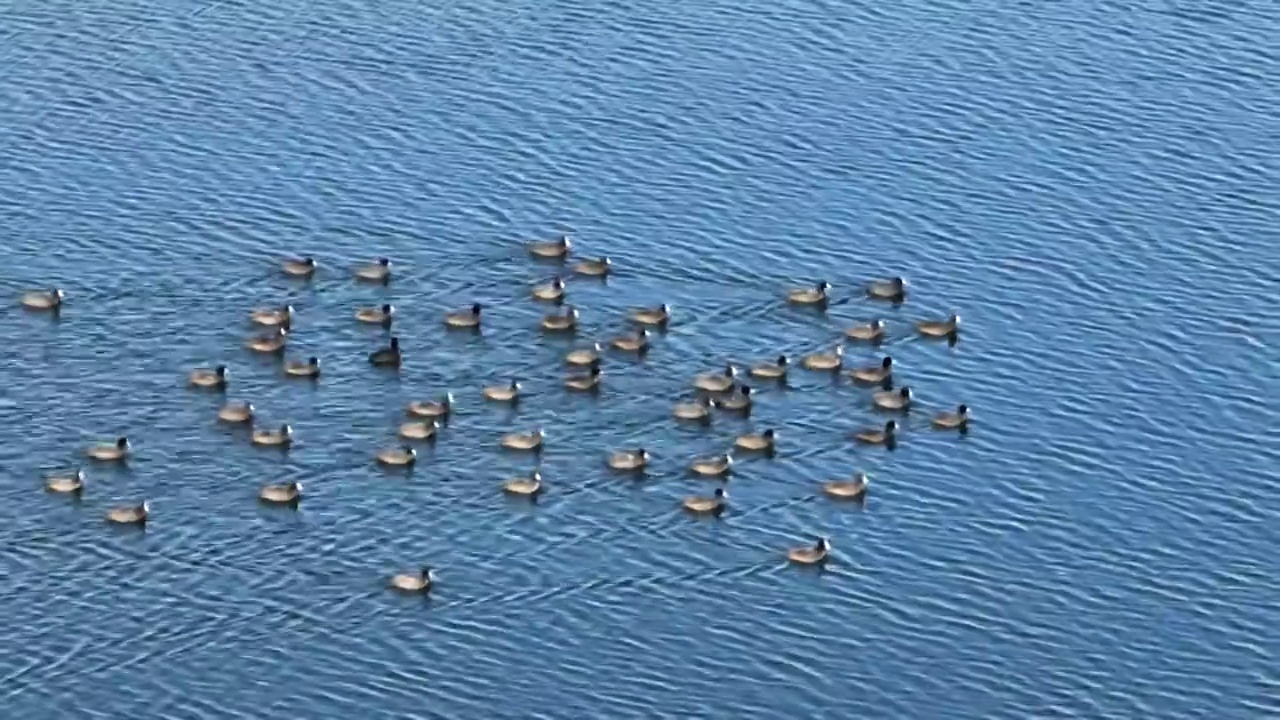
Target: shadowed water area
(1091, 185)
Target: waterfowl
(118, 450)
(947, 420)
(892, 399)
(431, 408)
(815, 295)
(939, 328)
(65, 481)
(469, 319)
(271, 343)
(290, 492)
(629, 460)
(854, 489)
(810, 555)
(660, 315)
(559, 248)
(273, 317)
(531, 485)
(553, 290)
(387, 356)
(739, 401)
(712, 465)
(637, 342)
(869, 332)
(584, 356)
(531, 440)
(303, 368)
(873, 374)
(130, 514)
(508, 393)
(877, 436)
(585, 382)
(376, 315)
(713, 505)
(825, 361)
(757, 442)
(419, 582)
(42, 299)
(379, 271)
(206, 378)
(776, 370)
(236, 412)
(594, 267)
(717, 381)
(699, 410)
(299, 267)
(280, 438)
(894, 288)
(419, 430)
(404, 455)
(556, 322)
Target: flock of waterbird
(717, 391)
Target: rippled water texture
(1092, 185)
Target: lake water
(1092, 185)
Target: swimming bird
(530, 486)
(130, 514)
(284, 493)
(559, 248)
(584, 356)
(299, 267)
(403, 455)
(273, 317)
(893, 399)
(629, 460)
(594, 267)
(712, 465)
(379, 271)
(637, 342)
(556, 322)
(585, 382)
(236, 412)
(699, 409)
(833, 360)
(464, 319)
(873, 374)
(717, 381)
(877, 436)
(118, 450)
(509, 393)
(867, 332)
(553, 290)
(419, 430)
(309, 368)
(388, 356)
(713, 505)
(376, 315)
(854, 489)
(776, 370)
(939, 328)
(282, 437)
(431, 408)
(894, 288)
(757, 442)
(812, 555)
(815, 295)
(660, 315)
(65, 481)
(958, 420)
(43, 299)
(531, 440)
(206, 378)
(739, 402)
(415, 582)
(273, 342)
